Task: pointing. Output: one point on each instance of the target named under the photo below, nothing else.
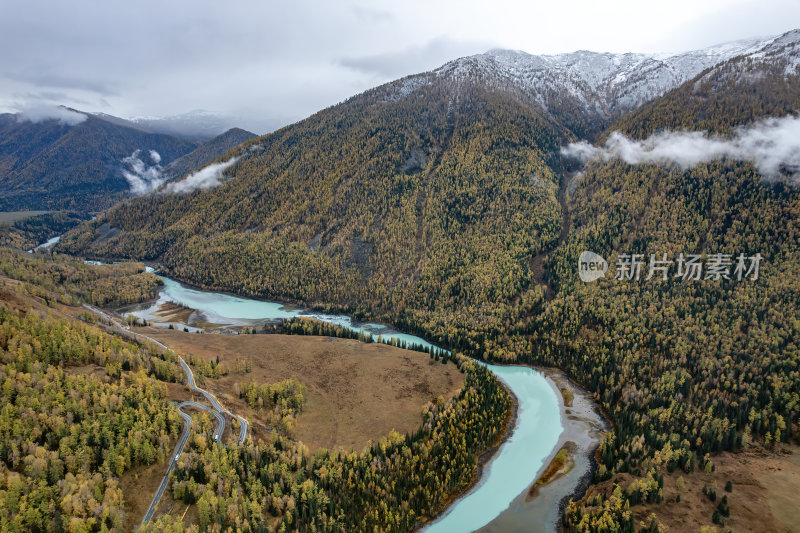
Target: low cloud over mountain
(773, 145)
(143, 176)
(36, 114)
(206, 178)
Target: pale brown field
(357, 392)
(9, 217)
(764, 497)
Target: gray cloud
(269, 63)
(415, 58)
(369, 14)
(43, 97)
(726, 23)
(55, 77)
(40, 113)
(773, 145)
(141, 176)
(205, 178)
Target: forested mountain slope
(685, 368)
(425, 209)
(67, 435)
(53, 165)
(50, 164)
(428, 204)
(424, 201)
(207, 152)
(758, 85)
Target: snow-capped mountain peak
(605, 85)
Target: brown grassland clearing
(356, 392)
(763, 499)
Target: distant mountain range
(202, 125)
(53, 165)
(585, 91)
(47, 163)
(198, 125)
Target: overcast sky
(271, 63)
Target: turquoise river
(511, 470)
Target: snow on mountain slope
(782, 52)
(601, 85)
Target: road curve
(187, 430)
(216, 409)
(213, 400)
(220, 429)
(243, 425)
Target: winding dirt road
(216, 409)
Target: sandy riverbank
(584, 426)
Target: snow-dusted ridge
(603, 84)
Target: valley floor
(357, 392)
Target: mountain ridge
(207, 152)
(573, 87)
(49, 164)
(415, 119)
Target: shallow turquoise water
(514, 467)
(233, 310)
(224, 305)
